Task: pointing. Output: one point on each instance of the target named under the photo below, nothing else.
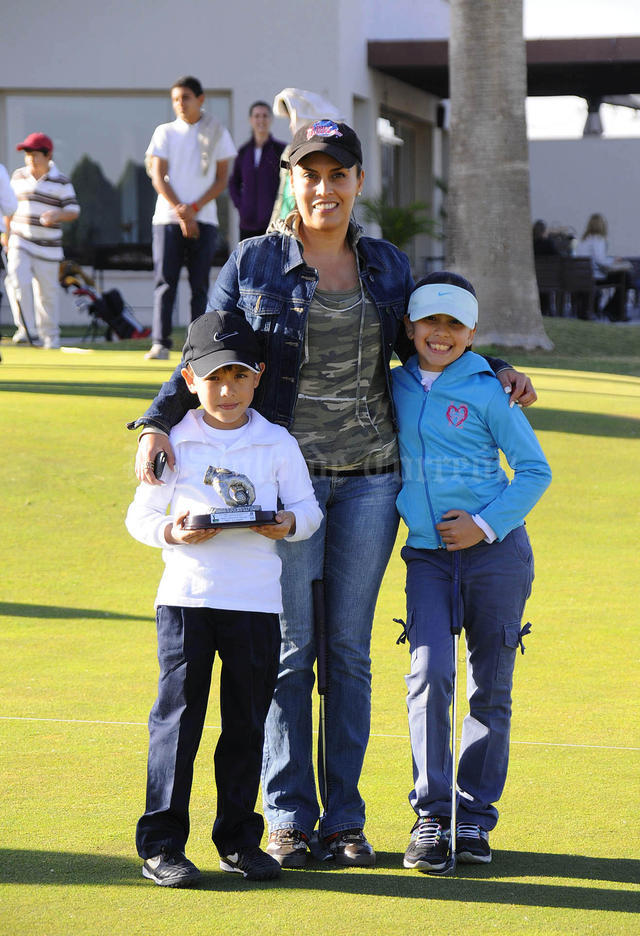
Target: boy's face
(439, 340)
(186, 104)
(225, 394)
(37, 162)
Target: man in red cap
(46, 198)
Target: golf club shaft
(454, 758)
(456, 629)
(319, 621)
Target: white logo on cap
(219, 337)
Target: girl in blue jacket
(466, 520)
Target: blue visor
(443, 299)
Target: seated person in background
(543, 244)
(608, 271)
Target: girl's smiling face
(439, 340)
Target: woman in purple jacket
(253, 185)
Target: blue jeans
(495, 584)
(349, 552)
(172, 251)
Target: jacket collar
(190, 429)
(466, 365)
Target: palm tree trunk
(489, 217)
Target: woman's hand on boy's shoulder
(285, 525)
(150, 443)
(518, 385)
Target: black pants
(616, 307)
(248, 644)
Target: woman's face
(325, 191)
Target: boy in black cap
(220, 592)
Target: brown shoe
(351, 849)
(288, 847)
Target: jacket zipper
(424, 462)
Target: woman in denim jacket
(328, 305)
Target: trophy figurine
(239, 494)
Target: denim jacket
(267, 279)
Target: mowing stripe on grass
(397, 737)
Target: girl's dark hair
(445, 277)
(188, 81)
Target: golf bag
(109, 307)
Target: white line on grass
(88, 721)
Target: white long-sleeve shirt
(239, 569)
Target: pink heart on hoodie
(457, 414)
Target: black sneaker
(288, 847)
(429, 845)
(472, 844)
(252, 863)
(170, 869)
(350, 849)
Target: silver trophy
(239, 494)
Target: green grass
(78, 675)
(590, 346)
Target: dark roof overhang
(583, 67)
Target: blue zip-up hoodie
(450, 439)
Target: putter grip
(319, 623)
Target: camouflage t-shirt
(342, 418)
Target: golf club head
(319, 851)
(449, 867)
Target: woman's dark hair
(188, 81)
(259, 104)
(539, 229)
(451, 279)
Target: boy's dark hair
(188, 81)
(259, 104)
(445, 276)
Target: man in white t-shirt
(188, 161)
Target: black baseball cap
(326, 136)
(217, 339)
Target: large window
(100, 141)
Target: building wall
(572, 179)
(247, 48)
(90, 58)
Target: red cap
(36, 141)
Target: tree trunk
(489, 216)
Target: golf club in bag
(456, 629)
(109, 307)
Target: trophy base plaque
(233, 518)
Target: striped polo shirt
(35, 196)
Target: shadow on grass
(77, 388)
(588, 424)
(472, 883)
(15, 609)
